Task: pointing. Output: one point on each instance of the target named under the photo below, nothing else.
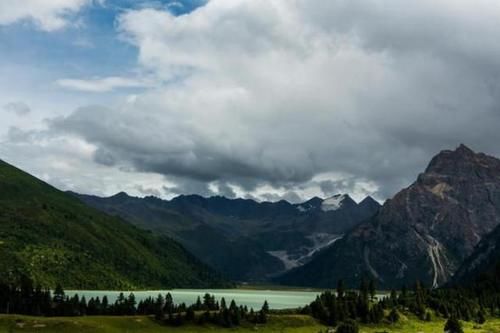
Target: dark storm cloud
(187, 186)
(364, 92)
(151, 145)
(104, 157)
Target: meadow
(276, 324)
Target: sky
(262, 99)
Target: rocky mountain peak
(461, 161)
(120, 196)
(426, 230)
(369, 203)
(336, 202)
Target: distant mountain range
(53, 238)
(244, 239)
(425, 232)
(444, 228)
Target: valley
(447, 221)
(245, 240)
(283, 166)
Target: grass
(277, 324)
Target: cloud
(281, 98)
(47, 15)
(226, 190)
(148, 191)
(289, 196)
(101, 85)
(19, 108)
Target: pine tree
(169, 304)
(83, 306)
(190, 314)
(262, 317)
(104, 305)
(159, 304)
(131, 303)
(58, 294)
(198, 304)
(340, 289)
(372, 288)
(223, 303)
(393, 298)
(265, 307)
(207, 302)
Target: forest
(341, 308)
(26, 299)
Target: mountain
(368, 205)
(53, 238)
(425, 232)
(484, 261)
(244, 239)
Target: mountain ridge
(424, 232)
(245, 239)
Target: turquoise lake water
(251, 298)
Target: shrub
(453, 326)
(394, 316)
(349, 326)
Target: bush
(394, 316)
(453, 326)
(480, 319)
(349, 326)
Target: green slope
(53, 237)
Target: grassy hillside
(53, 237)
(281, 324)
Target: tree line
(27, 299)
(345, 309)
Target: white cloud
(298, 97)
(48, 15)
(100, 85)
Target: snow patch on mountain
(333, 203)
(304, 254)
(302, 208)
(286, 259)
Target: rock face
(484, 260)
(425, 232)
(244, 239)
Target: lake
(277, 299)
